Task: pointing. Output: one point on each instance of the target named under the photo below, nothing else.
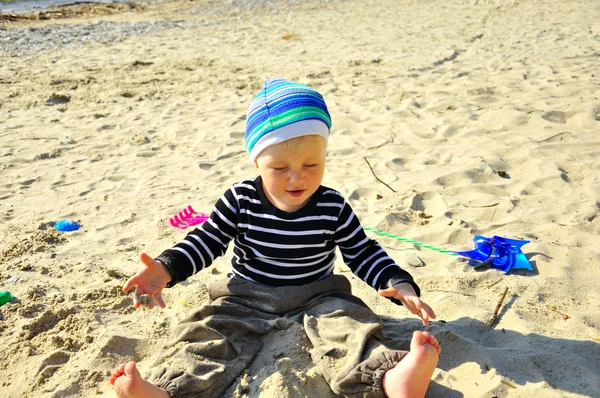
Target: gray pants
(217, 342)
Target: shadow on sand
(566, 365)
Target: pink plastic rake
(186, 218)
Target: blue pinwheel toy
(501, 253)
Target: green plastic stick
(414, 242)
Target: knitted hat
(283, 110)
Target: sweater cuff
(170, 259)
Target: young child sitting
(285, 227)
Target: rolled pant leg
(348, 345)
(211, 347)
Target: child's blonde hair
(296, 144)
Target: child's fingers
(389, 292)
(140, 298)
(159, 300)
(422, 306)
(147, 260)
(136, 298)
(430, 311)
(424, 316)
(150, 303)
(412, 304)
(147, 300)
(131, 282)
(412, 307)
(420, 309)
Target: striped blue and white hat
(284, 110)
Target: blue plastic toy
(66, 226)
(501, 253)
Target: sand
(482, 118)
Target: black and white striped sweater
(276, 248)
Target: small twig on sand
(495, 283)
(562, 314)
(492, 205)
(451, 291)
(378, 179)
(493, 214)
(391, 139)
(507, 383)
(549, 138)
(495, 314)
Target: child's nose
(296, 175)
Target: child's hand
(150, 280)
(407, 295)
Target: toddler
(285, 227)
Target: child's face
(292, 171)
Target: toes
(433, 341)
(131, 370)
(430, 339)
(118, 372)
(419, 338)
(424, 338)
(114, 378)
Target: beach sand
(482, 118)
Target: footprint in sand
(483, 94)
(464, 177)
(362, 194)
(25, 184)
(230, 155)
(555, 117)
(146, 154)
(397, 165)
(451, 131)
(50, 365)
(116, 177)
(429, 202)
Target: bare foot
(128, 383)
(411, 376)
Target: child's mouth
(296, 193)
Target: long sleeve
(200, 247)
(365, 257)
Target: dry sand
(441, 98)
